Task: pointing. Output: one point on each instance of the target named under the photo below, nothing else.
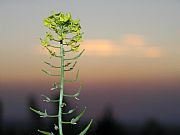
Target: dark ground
(107, 125)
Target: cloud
(130, 45)
(132, 40)
(153, 52)
(101, 48)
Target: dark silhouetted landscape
(106, 125)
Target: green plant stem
(61, 88)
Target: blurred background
(130, 69)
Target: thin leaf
(76, 94)
(49, 73)
(87, 128)
(76, 77)
(70, 111)
(76, 57)
(42, 114)
(77, 118)
(45, 132)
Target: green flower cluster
(68, 30)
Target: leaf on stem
(77, 74)
(87, 128)
(42, 114)
(49, 64)
(77, 118)
(76, 94)
(45, 132)
(72, 67)
(77, 56)
(70, 111)
(49, 73)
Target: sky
(131, 62)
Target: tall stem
(61, 88)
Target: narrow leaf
(42, 114)
(76, 78)
(49, 73)
(70, 111)
(77, 118)
(45, 132)
(36, 111)
(77, 56)
(87, 128)
(76, 94)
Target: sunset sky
(131, 62)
